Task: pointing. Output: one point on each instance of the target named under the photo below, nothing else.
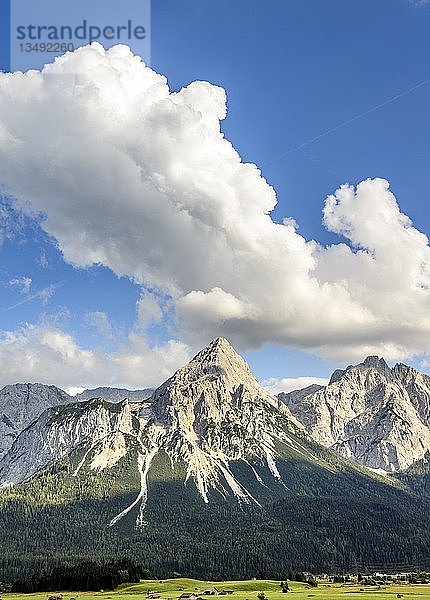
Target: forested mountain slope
(212, 476)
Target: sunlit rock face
(209, 414)
(21, 404)
(371, 414)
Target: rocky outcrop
(111, 394)
(21, 404)
(62, 429)
(209, 414)
(373, 415)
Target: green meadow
(171, 589)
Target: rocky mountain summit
(373, 415)
(213, 412)
(207, 416)
(214, 471)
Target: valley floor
(243, 590)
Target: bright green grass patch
(243, 590)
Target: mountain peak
(370, 362)
(379, 364)
(22, 403)
(220, 341)
(374, 415)
(220, 345)
(374, 361)
(220, 353)
(402, 368)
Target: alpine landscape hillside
(211, 475)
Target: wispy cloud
(43, 261)
(48, 354)
(11, 221)
(43, 294)
(100, 321)
(22, 283)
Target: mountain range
(373, 415)
(23, 403)
(212, 475)
(114, 394)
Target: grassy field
(171, 589)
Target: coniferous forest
(321, 521)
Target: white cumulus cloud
(138, 178)
(149, 310)
(74, 391)
(45, 353)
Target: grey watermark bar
(40, 30)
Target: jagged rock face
(210, 413)
(417, 386)
(295, 397)
(21, 404)
(214, 411)
(62, 429)
(371, 414)
(114, 394)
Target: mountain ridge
(209, 413)
(211, 475)
(373, 415)
(113, 394)
(22, 403)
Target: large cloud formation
(45, 353)
(132, 176)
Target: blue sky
(319, 93)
